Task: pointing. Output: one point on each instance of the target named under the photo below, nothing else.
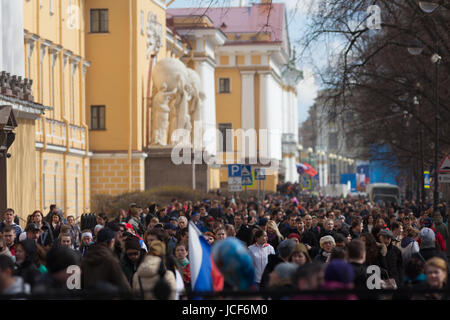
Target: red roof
(257, 18)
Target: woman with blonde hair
(436, 273)
(273, 234)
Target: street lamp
(416, 48)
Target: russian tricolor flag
(204, 274)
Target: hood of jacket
(406, 241)
(149, 267)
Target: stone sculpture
(196, 105)
(160, 119)
(177, 89)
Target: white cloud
(307, 93)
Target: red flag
(310, 170)
(217, 277)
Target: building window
(99, 20)
(98, 118)
(225, 137)
(224, 85)
(333, 140)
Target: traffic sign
(444, 178)
(247, 181)
(235, 180)
(234, 170)
(235, 187)
(247, 178)
(426, 176)
(247, 170)
(260, 174)
(444, 167)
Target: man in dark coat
(100, 266)
(393, 256)
(243, 231)
(356, 257)
(132, 258)
(284, 250)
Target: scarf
(184, 262)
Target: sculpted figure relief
(196, 105)
(177, 100)
(160, 119)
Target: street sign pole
(264, 189)
(259, 189)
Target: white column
(264, 140)
(12, 52)
(248, 100)
(206, 73)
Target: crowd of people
(297, 242)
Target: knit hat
(105, 235)
(286, 270)
(428, 222)
(132, 243)
(157, 248)
(294, 235)
(427, 236)
(327, 239)
(339, 270)
(169, 226)
(285, 248)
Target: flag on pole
(301, 168)
(310, 170)
(204, 274)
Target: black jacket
(428, 253)
(129, 268)
(244, 234)
(287, 230)
(394, 263)
(360, 275)
(29, 272)
(46, 238)
(272, 261)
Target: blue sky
(297, 15)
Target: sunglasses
(132, 253)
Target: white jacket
(260, 256)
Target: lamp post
(416, 48)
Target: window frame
(225, 145)
(219, 85)
(98, 121)
(99, 11)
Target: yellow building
(55, 59)
(88, 132)
(254, 84)
(122, 39)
